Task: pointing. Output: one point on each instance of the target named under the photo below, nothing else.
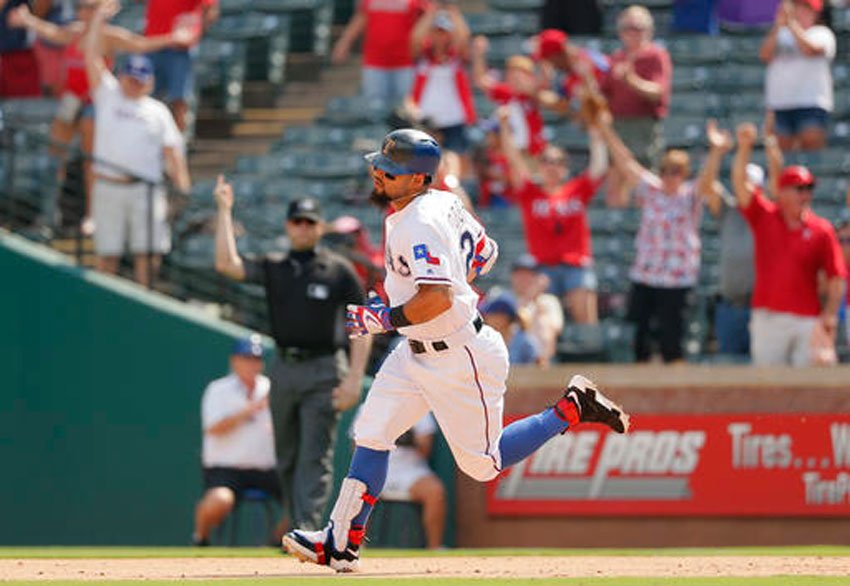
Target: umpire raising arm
(307, 290)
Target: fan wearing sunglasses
(554, 213)
(793, 247)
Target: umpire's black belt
(295, 354)
(418, 347)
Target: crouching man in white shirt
(238, 450)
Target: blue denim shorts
(172, 74)
(564, 278)
(454, 138)
(796, 120)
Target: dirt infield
(435, 567)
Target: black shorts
(239, 480)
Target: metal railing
(42, 202)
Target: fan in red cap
(798, 81)
(797, 176)
(791, 324)
(580, 67)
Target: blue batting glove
(373, 318)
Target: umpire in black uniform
(313, 378)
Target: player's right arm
(96, 68)
(227, 259)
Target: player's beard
(380, 198)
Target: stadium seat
(267, 41)
(235, 6)
(684, 132)
(698, 50)
(21, 112)
(311, 22)
(745, 49)
(353, 111)
(689, 78)
(220, 73)
(317, 136)
(700, 103)
(516, 5)
(503, 23)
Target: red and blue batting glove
(485, 255)
(373, 318)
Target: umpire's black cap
(306, 208)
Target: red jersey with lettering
(652, 64)
(74, 63)
(162, 15)
(788, 260)
(525, 119)
(389, 23)
(556, 226)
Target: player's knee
(481, 468)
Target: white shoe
(317, 547)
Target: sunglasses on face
(631, 28)
(302, 222)
(804, 188)
(671, 171)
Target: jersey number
(467, 245)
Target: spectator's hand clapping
(223, 194)
(623, 69)
(503, 115)
(784, 13)
(717, 138)
(747, 134)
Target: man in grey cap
(313, 378)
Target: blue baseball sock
(370, 467)
(522, 438)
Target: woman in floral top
(667, 262)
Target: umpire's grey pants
(304, 431)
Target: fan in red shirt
(638, 88)
(581, 68)
(793, 246)
(386, 26)
(554, 213)
(518, 92)
(173, 66)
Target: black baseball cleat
(318, 547)
(593, 406)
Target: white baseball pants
(463, 386)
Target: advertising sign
(733, 465)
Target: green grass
(181, 552)
(336, 581)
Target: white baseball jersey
(432, 241)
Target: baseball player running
(451, 363)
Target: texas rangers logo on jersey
(420, 252)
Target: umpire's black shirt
(307, 292)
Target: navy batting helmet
(407, 151)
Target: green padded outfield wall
(100, 386)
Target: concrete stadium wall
(659, 391)
(99, 404)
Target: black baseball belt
(418, 347)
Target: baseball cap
(502, 304)
(138, 67)
(550, 42)
(526, 262)
(250, 346)
(443, 21)
(816, 5)
(755, 174)
(795, 176)
(306, 208)
(346, 225)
